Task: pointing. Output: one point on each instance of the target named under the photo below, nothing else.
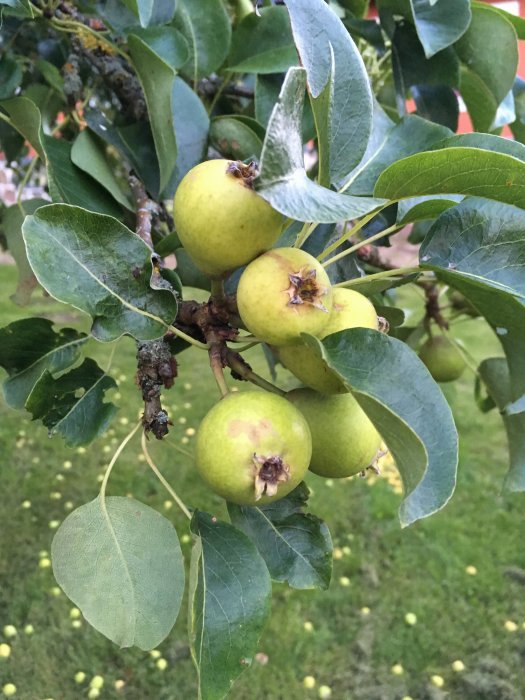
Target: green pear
(220, 219)
(253, 447)
(283, 293)
(344, 439)
(349, 310)
(443, 358)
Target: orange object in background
(516, 7)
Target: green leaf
(517, 22)
(296, 546)
(67, 182)
(10, 77)
(12, 221)
(28, 348)
(398, 394)
(88, 154)
(157, 54)
(489, 52)
(283, 180)
(420, 231)
(382, 125)
(234, 138)
(469, 171)
(437, 103)
(11, 141)
(423, 208)
(25, 118)
(322, 40)
(438, 24)
(267, 90)
(367, 29)
(477, 247)
(51, 75)
(230, 593)
(489, 48)
(48, 101)
(96, 264)
(73, 405)
(480, 102)
(495, 375)
(394, 316)
(411, 135)
(322, 112)
(167, 245)
(263, 44)
(164, 44)
(487, 142)
(152, 11)
(120, 562)
(358, 8)
(207, 28)
(71, 184)
(189, 273)
(415, 68)
(191, 124)
(134, 142)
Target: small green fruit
(443, 359)
(350, 310)
(221, 221)
(344, 440)
(253, 447)
(284, 293)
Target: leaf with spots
(73, 404)
(295, 545)
(28, 348)
(98, 265)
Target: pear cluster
(254, 447)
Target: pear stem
(366, 241)
(240, 367)
(178, 500)
(379, 275)
(217, 291)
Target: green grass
(391, 571)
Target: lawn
(461, 573)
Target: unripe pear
(350, 310)
(283, 293)
(344, 439)
(443, 358)
(253, 447)
(220, 219)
